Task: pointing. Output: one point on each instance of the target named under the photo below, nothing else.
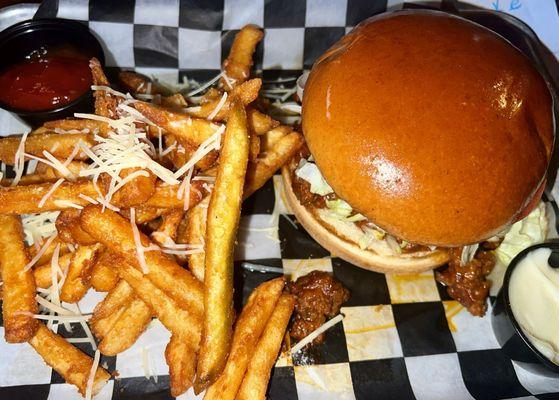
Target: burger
(427, 137)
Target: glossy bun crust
(435, 128)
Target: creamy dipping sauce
(534, 300)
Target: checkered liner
(402, 336)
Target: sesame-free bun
(436, 129)
(340, 244)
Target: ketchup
(45, 83)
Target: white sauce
(534, 299)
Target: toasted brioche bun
(327, 236)
(436, 129)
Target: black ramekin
(508, 332)
(19, 40)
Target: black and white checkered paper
(402, 336)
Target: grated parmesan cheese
(218, 107)
(314, 334)
(50, 192)
(91, 378)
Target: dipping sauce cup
(44, 69)
(524, 294)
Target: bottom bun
(350, 251)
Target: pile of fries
(143, 199)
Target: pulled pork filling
(319, 297)
(467, 283)
(466, 274)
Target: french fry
(176, 319)
(222, 223)
(59, 145)
(249, 327)
(28, 180)
(136, 83)
(42, 272)
(116, 234)
(175, 101)
(103, 277)
(255, 381)
(144, 214)
(103, 326)
(118, 297)
(69, 228)
(270, 138)
(18, 290)
(50, 174)
(77, 279)
(265, 167)
(180, 355)
(167, 231)
(131, 323)
(105, 103)
(73, 365)
(246, 92)
(25, 199)
(260, 123)
(193, 130)
(194, 233)
(49, 251)
(84, 125)
(254, 147)
(135, 192)
(239, 62)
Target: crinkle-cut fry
(166, 233)
(105, 103)
(25, 199)
(69, 228)
(265, 167)
(78, 124)
(103, 277)
(118, 297)
(246, 92)
(248, 329)
(115, 232)
(59, 145)
(180, 355)
(77, 281)
(239, 62)
(269, 139)
(194, 130)
(73, 365)
(135, 192)
(132, 322)
(178, 320)
(222, 223)
(18, 290)
(194, 233)
(47, 255)
(260, 123)
(255, 381)
(42, 272)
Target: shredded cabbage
(524, 233)
(309, 172)
(340, 207)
